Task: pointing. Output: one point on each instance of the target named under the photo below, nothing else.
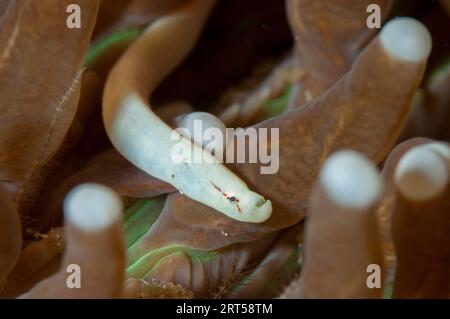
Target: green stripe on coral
(98, 49)
(276, 106)
(140, 216)
(147, 263)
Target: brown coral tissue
(183, 149)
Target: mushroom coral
(95, 247)
(329, 35)
(419, 176)
(420, 223)
(36, 121)
(341, 239)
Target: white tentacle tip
(421, 174)
(439, 148)
(204, 129)
(406, 39)
(351, 180)
(92, 207)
